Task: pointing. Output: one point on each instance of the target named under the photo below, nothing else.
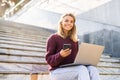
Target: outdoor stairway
(109, 68)
(22, 52)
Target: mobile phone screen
(66, 46)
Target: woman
(57, 56)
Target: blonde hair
(72, 33)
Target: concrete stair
(22, 52)
(109, 68)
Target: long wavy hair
(72, 33)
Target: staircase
(109, 68)
(22, 51)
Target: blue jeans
(80, 72)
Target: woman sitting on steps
(56, 55)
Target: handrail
(11, 11)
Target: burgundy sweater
(54, 46)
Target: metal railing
(10, 12)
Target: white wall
(108, 13)
(38, 17)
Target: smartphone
(66, 46)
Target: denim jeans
(80, 72)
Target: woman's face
(67, 23)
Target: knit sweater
(54, 45)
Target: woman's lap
(69, 73)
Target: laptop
(88, 54)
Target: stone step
(40, 67)
(22, 44)
(17, 58)
(110, 77)
(109, 71)
(42, 54)
(104, 55)
(19, 52)
(24, 48)
(23, 39)
(22, 68)
(102, 77)
(27, 36)
(15, 77)
(22, 52)
(22, 59)
(101, 63)
(117, 60)
(46, 77)
(23, 29)
(30, 53)
(109, 64)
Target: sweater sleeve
(52, 58)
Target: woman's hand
(65, 53)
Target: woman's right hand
(65, 53)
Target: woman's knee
(83, 69)
(92, 69)
(93, 72)
(83, 73)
